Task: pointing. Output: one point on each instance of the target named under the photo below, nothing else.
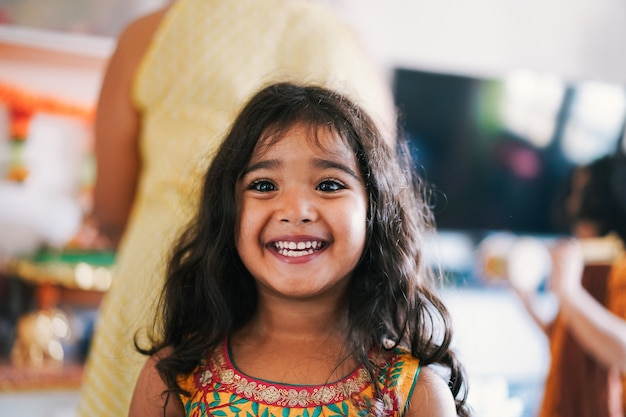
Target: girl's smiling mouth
(294, 249)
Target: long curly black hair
(391, 296)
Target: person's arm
(529, 301)
(598, 331)
(431, 397)
(117, 129)
(149, 398)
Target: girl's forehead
(323, 137)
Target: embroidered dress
(218, 389)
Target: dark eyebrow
(266, 164)
(328, 164)
(317, 162)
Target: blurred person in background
(588, 278)
(173, 85)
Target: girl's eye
(262, 186)
(329, 186)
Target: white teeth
(294, 249)
(295, 254)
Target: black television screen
(498, 151)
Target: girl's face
(301, 215)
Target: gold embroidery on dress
(290, 397)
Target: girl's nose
(296, 207)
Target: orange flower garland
(22, 105)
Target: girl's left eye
(329, 186)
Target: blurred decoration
(47, 172)
(40, 334)
(525, 261)
(54, 264)
(56, 330)
(22, 106)
(596, 121)
(522, 261)
(530, 105)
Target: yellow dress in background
(206, 59)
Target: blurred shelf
(81, 270)
(13, 378)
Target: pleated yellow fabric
(206, 59)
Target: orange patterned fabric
(576, 385)
(551, 394)
(218, 389)
(617, 302)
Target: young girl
(300, 289)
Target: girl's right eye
(262, 186)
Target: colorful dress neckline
(219, 389)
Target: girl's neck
(277, 318)
(294, 342)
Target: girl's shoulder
(431, 396)
(150, 397)
(427, 391)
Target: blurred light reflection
(595, 121)
(530, 105)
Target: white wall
(581, 39)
